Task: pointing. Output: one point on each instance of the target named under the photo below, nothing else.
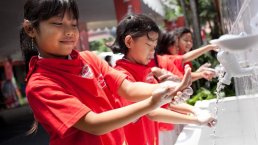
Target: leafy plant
(172, 14)
(100, 45)
(202, 94)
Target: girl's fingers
(169, 77)
(164, 77)
(157, 71)
(187, 80)
(206, 65)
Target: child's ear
(27, 26)
(128, 41)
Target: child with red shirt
(72, 94)
(177, 46)
(137, 37)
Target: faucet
(229, 44)
(232, 68)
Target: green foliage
(208, 14)
(172, 14)
(99, 45)
(207, 11)
(209, 57)
(202, 94)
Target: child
(71, 93)
(176, 49)
(137, 37)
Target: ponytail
(116, 49)
(34, 128)
(28, 50)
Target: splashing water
(220, 74)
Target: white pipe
(232, 67)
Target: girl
(176, 48)
(136, 38)
(71, 93)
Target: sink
(237, 123)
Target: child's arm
(167, 116)
(104, 122)
(182, 108)
(138, 90)
(206, 74)
(191, 55)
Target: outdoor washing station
(237, 115)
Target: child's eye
(57, 24)
(148, 44)
(75, 25)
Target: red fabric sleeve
(171, 63)
(52, 105)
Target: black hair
(165, 41)
(136, 26)
(36, 11)
(108, 58)
(179, 32)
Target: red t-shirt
(61, 92)
(172, 63)
(143, 131)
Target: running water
(220, 74)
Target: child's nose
(69, 31)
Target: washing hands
(182, 91)
(207, 72)
(168, 79)
(182, 97)
(204, 117)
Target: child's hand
(203, 67)
(213, 47)
(204, 117)
(169, 89)
(186, 81)
(164, 75)
(160, 96)
(208, 74)
(182, 97)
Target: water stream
(218, 104)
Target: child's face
(57, 36)
(142, 48)
(172, 50)
(185, 43)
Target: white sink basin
(237, 124)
